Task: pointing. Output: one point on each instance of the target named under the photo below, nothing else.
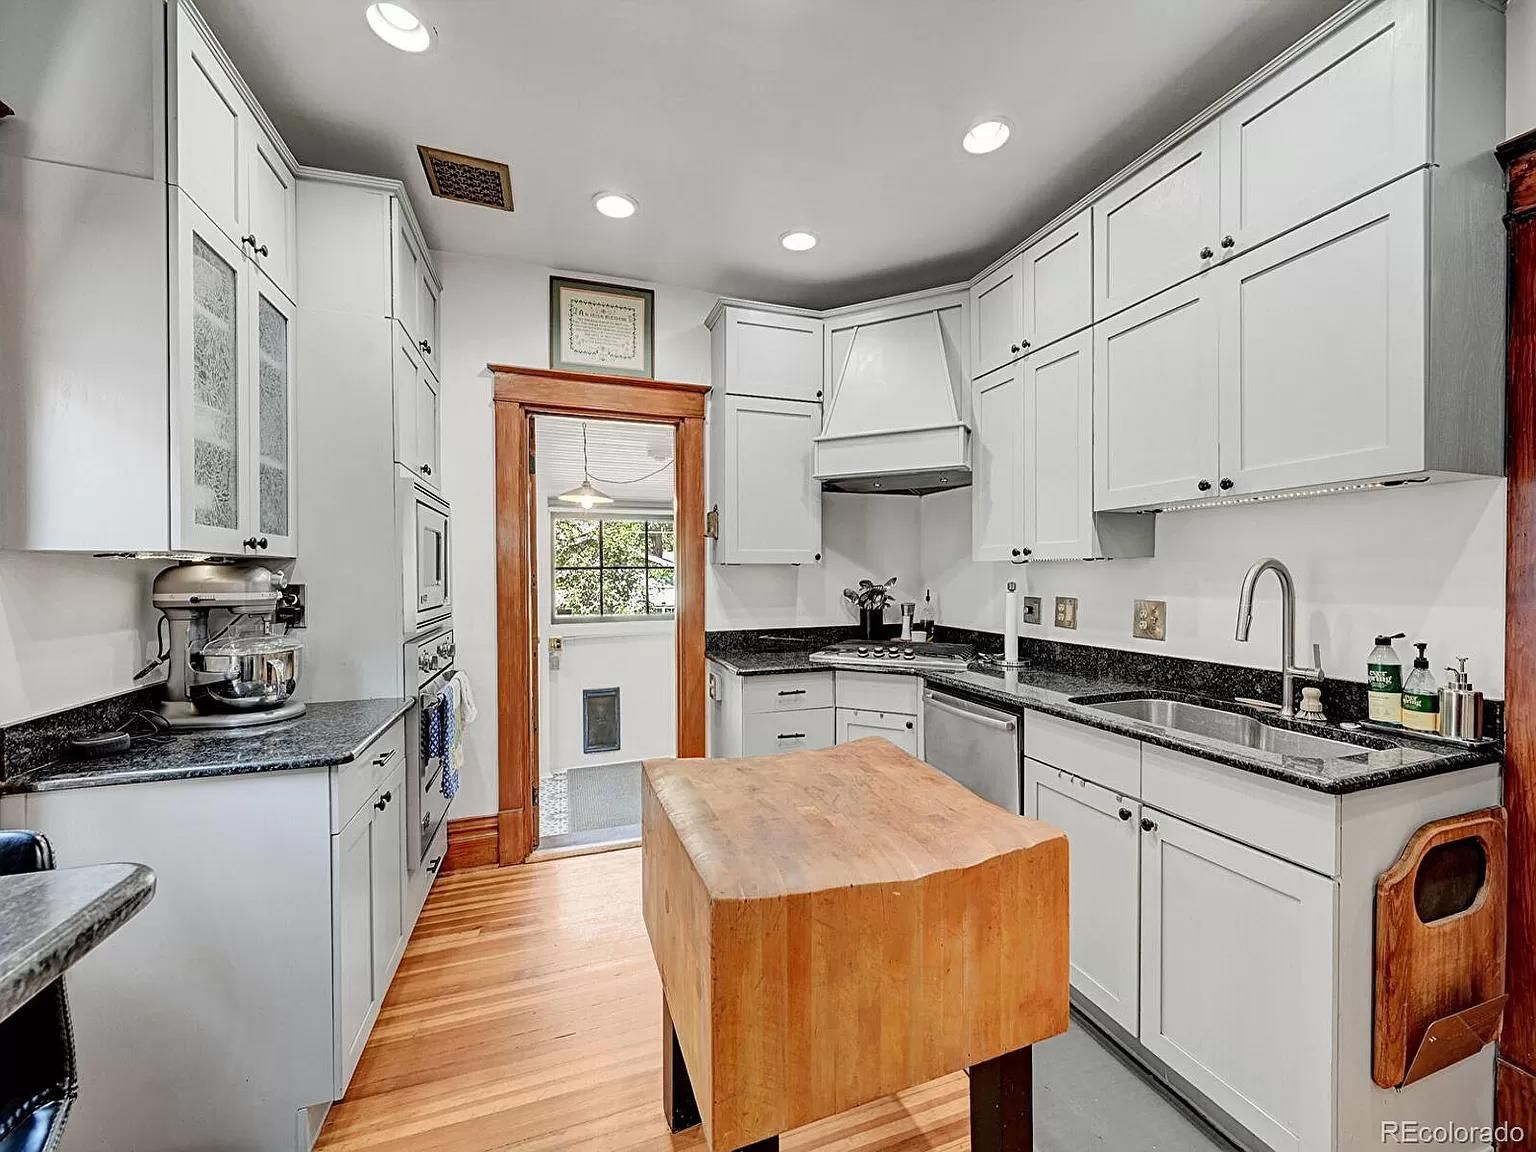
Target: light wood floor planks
(527, 1014)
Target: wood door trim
(523, 392)
(473, 842)
(1517, 1049)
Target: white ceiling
(622, 458)
(732, 121)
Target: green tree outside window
(614, 566)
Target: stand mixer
(227, 668)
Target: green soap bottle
(1384, 680)
(1421, 696)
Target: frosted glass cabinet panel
(275, 403)
(209, 393)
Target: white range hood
(897, 419)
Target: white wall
(1426, 561)
(1520, 68)
(72, 629)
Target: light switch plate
(1031, 609)
(1066, 611)
(1151, 620)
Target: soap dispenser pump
(1421, 696)
(1461, 708)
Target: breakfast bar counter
(834, 926)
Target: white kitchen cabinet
(762, 487)
(414, 287)
(1159, 226)
(802, 730)
(1237, 979)
(273, 211)
(1103, 829)
(232, 399)
(417, 411)
(1057, 283)
(997, 318)
(998, 464)
(1322, 349)
(1155, 398)
(356, 1004)
(1059, 520)
(386, 881)
(767, 353)
(898, 727)
(761, 715)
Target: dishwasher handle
(965, 714)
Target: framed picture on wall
(596, 327)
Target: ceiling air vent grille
(467, 179)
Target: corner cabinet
(764, 416)
(232, 397)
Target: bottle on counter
(925, 621)
(1384, 679)
(1421, 696)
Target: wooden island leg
(677, 1098)
(1003, 1104)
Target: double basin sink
(1235, 728)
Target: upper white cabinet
(1039, 296)
(997, 318)
(770, 354)
(223, 158)
(417, 415)
(1159, 226)
(997, 465)
(767, 502)
(1155, 397)
(415, 288)
(274, 360)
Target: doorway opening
(606, 589)
(582, 572)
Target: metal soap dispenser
(1461, 709)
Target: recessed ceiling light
(399, 27)
(798, 241)
(987, 136)
(614, 204)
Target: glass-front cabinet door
(208, 401)
(273, 491)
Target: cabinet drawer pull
(792, 692)
(433, 863)
(791, 735)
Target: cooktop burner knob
(909, 655)
(863, 651)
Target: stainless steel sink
(1228, 727)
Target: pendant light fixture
(585, 493)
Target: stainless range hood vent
(897, 420)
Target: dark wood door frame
(520, 394)
(1517, 1048)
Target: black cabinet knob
(1016, 552)
(818, 393)
(1029, 551)
(1225, 484)
(1015, 348)
(433, 863)
(1204, 485)
(424, 346)
(1023, 346)
(248, 542)
(1206, 253)
(381, 803)
(1228, 242)
(817, 556)
(426, 469)
(1148, 825)
(1125, 813)
(262, 543)
(910, 725)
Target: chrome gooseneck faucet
(1288, 670)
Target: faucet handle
(1317, 662)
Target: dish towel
(464, 713)
(432, 729)
(448, 702)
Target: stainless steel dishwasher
(974, 744)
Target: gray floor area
(1088, 1096)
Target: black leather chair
(37, 1044)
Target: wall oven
(427, 537)
(428, 665)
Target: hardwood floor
(527, 1014)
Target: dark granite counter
(49, 920)
(767, 663)
(334, 732)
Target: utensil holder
(870, 622)
(1440, 940)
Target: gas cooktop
(895, 653)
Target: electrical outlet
(290, 606)
(1031, 609)
(1066, 611)
(1151, 620)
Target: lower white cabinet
(368, 862)
(1103, 831)
(1237, 981)
(764, 495)
(897, 727)
(800, 730)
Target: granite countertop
(49, 920)
(332, 732)
(1383, 759)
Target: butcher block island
(834, 926)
